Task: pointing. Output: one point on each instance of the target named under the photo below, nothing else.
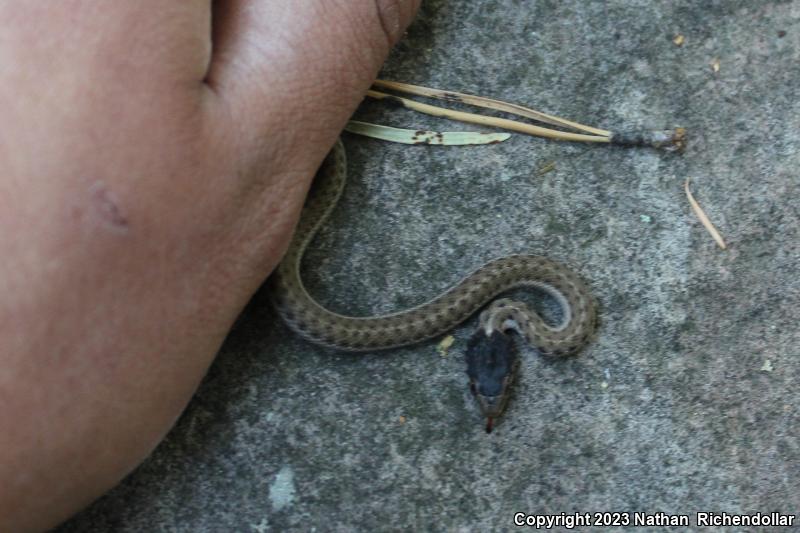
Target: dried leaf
(678, 40)
(446, 138)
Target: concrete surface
(688, 399)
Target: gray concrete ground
(687, 401)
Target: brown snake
(491, 358)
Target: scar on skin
(106, 205)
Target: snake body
(442, 313)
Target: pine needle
(484, 120)
(670, 140)
(702, 216)
(489, 103)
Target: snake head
(492, 363)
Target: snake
(491, 355)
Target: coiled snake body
(491, 358)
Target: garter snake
(492, 361)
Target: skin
(149, 183)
